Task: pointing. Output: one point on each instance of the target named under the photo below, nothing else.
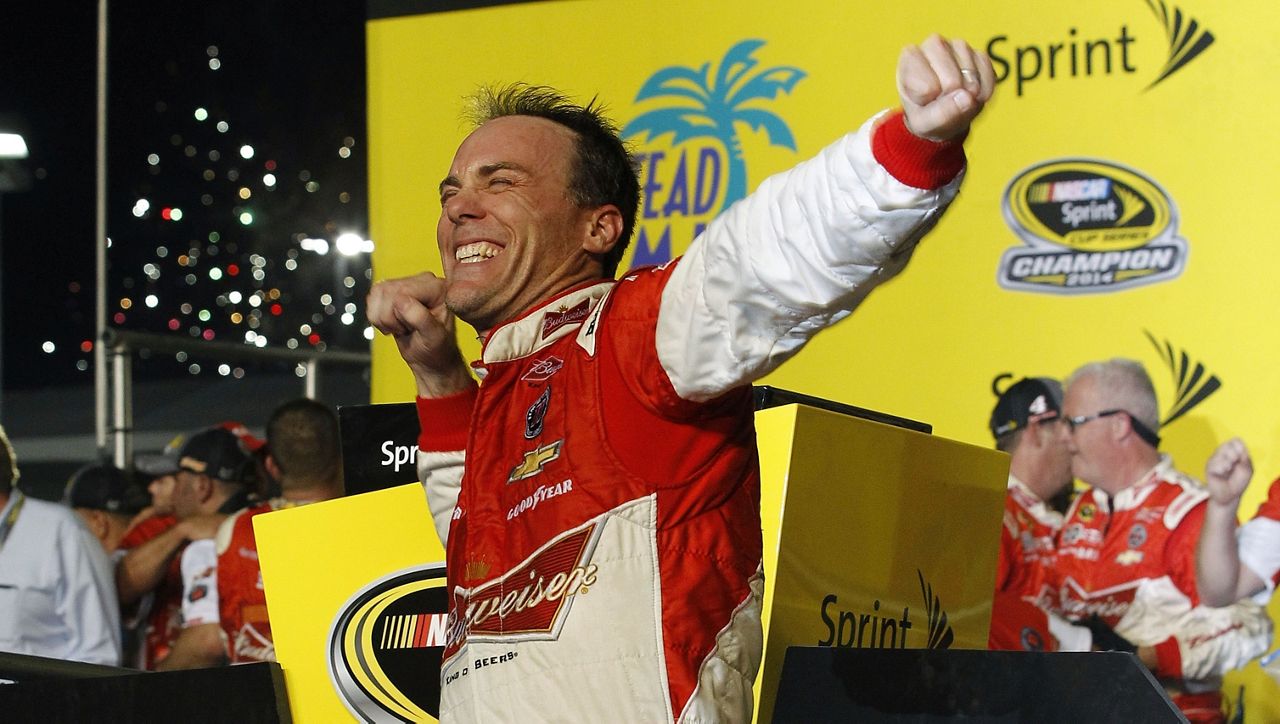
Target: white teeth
(476, 251)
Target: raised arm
(802, 251)
(1220, 578)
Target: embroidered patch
(535, 414)
(542, 369)
(555, 320)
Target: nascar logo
(1089, 226)
(386, 644)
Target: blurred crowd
(157, 568)
(1141, 557)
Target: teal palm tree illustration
(711, 108)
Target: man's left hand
(943, 85)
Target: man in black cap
(106, 501)
(1025, 424)
(206, 473)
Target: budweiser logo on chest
(532, 601)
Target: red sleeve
(443, 422)
(1270, 507)
(145, 530)
(916, 161)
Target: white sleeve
(786, 262)
(88, 599)
(1259, 541)
(1213, 641)
(200, 583)
(441, 476)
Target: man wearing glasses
(1126, 553)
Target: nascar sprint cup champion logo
(1089, 226)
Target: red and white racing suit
(604, 548)
(1130, 559)
(222, 583)
(1026, 558)
(1260, 543)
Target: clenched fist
(1228, 472)
(411, 309)
(943, 85)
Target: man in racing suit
(604, 545)
(1025, 424)
(1126, 553)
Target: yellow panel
(314, 558)
(874, 518)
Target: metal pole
(100, 242)
(122, 407)
(311, 383)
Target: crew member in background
(1230, 567)
(56, 596)
(1126, 553)
(105, 499)
(207, 487)
(603, 548)
(224, 604)
(1025, 424)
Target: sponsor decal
(534, 460)
(687, 138)
(1137, 535)
(1129, 558)
(542, 369)
(533, 417)
(1087, 512)
(1089, 226)
(1112, 604)
(875, 630)
(529, 603)
(1192, 383)
(253, 644)
(198, 593)
(385, 643)
(557, 319)
(544, 492)
(1031, 639)
(1074, 53)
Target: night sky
(236, 154)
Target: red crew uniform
(1130, 559)
(604, 550)
(162, 607)
(224, 586)
(1026, 559)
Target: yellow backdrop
(1110, 208)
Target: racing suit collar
(555, 318)
(1032, 503)
(1132, 496)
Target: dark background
(290, 83)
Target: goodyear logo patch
(1089, 226)
(386, 644)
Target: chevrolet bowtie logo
(534, 460)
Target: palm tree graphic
(707, 108)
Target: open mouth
(476, 251)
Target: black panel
(822, 684)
